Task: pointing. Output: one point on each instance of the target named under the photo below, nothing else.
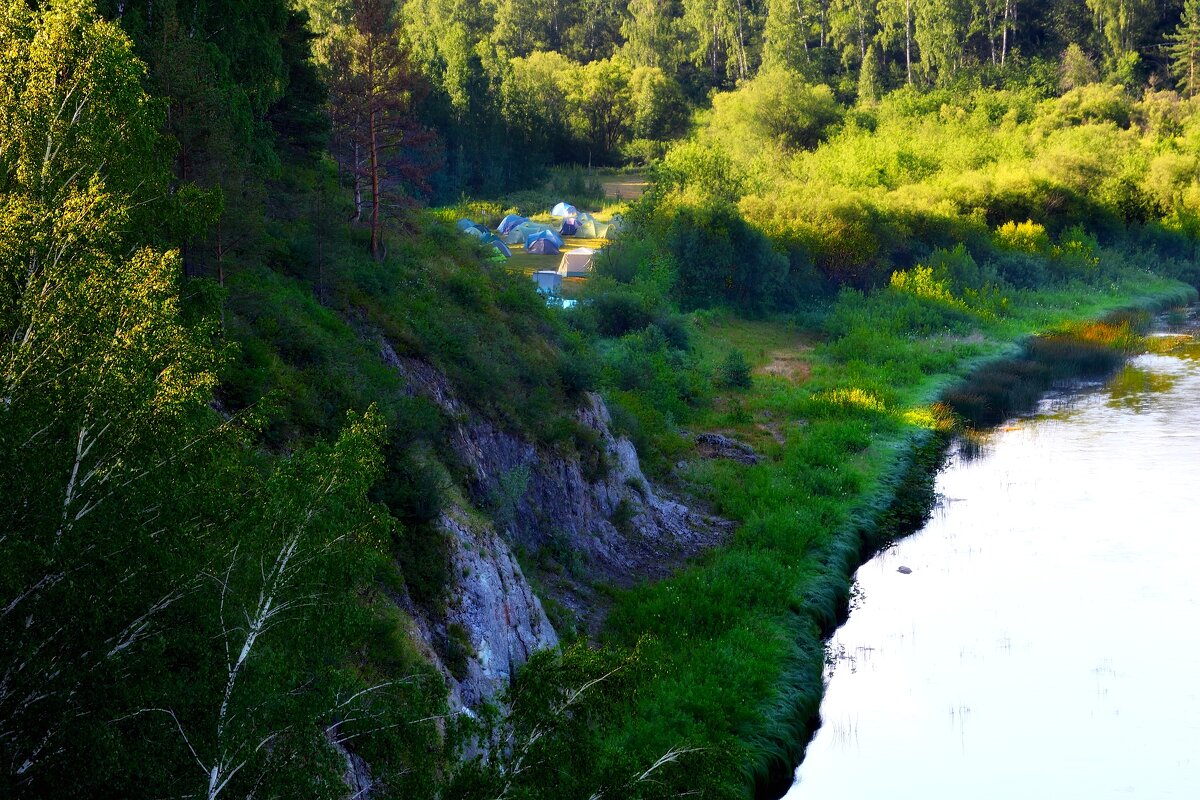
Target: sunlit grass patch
(850, 398)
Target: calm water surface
(1047, 642)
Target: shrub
(777, 108)
(721, 259)
(735, 371)
(1026, 237)
(1019, 269)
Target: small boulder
(904, 571)
(716, 445)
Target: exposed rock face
(606, 515)
(715, 445)
(492, 606)
(356, 774)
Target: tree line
(507, 86)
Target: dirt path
(629, 186)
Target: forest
(228, 523)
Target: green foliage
(1185, 49)
(735, 371)
(1077, 69)
(187, 564)
(777, 109)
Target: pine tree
(373, 90)
(1184, 49)
(869, 78)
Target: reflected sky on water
(1047, 642)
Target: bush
(735, 371)
(1025, 237)
(1018, 269)
(776, 108)
(722, 260)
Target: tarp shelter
(510, 222)
(547, 281)
(541, 245)
(464, 223)
(577, 263)
(569, 227)
(564, 210)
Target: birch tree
(102, 386)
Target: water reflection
(1047, 641)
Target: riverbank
(846, 420)
(1061, 552)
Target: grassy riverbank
(841, 408)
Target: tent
(589, 229)
(577, 263)
(548, 233)
(478, 234)
(521, 232)
(501, 248)
(616, 225)
(541, 245)
(510, 222)
(547, 281)
(463, 224)
(569, 226)
(564, 210)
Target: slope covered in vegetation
(230, 513)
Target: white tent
(564, 209)
(547, 281)
(577, 263)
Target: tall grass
(737, 639)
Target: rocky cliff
(595, 510)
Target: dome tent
(520, 233)
(510, 222)
(501, 248)
(569, 227)
(564, 210)
(591, 229)
(541, 244)
(548, 233)
(464, 223)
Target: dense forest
(223, 223)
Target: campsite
(564, 239)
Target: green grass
(737, 637)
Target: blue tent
(569, 227)
(502, 248)
(564, 210)
(546, 234)
(541, 246)
(510, 222)
(464, 223)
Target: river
(1047, 641)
